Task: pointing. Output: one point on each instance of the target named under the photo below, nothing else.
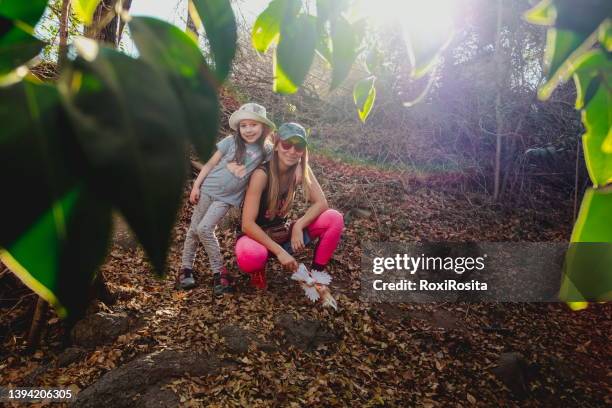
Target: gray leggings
(207, 214)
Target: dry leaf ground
(364, 354)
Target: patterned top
(227, 181)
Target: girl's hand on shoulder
(287, 261)
(297, 238)
(194, 197)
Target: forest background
(477, 156)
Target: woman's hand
(297, 238)
(287, 261)
(194, 197)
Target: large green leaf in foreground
(294, 53)
(17, 43)
(220, 26)
(184, 66)
(266, 29)
(85, 9)
(593, 82)
(588, 263)
(54, 229)
(129, 123)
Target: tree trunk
(126, 7)
(498, 114)
(40, 314)
(110, 32)
(63, 34)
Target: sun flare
(423, 16)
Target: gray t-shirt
(227, 181)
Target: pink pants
(251, 256)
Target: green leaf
(166, 47)
(590, 69)
(374, 61)
(593, 84)
(324, 10)
(85, 9)
(583, 17)
(595, 217)
(574, 33)
(266, 29)
(543, 13)
(344, 50)
(294, 53)
(55, 235)
(364, 95)
(17, 42)
(588, 263)
(605, 34)
(220, 26)
(16, 48)
(324, 45)
(132, 133)
(560, 45)
(28, 12)
(330, 10)
(425, 48)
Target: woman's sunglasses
(297, 145)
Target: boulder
(139, 383)
(99, 328)
(70, 355)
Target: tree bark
(498, 101)
(40, 314)
(111, 32)
(63, 34)
(126, 7)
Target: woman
(269, 198)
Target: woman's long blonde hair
(274, 187)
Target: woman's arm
(257, 184)
(212, 162)
(317, 207)
(318, 203)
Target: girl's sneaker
(185, 279)
(223, 283)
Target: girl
(223, 180)
(269, 198)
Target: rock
(360, 212)
(99, 328)
(139, 383)
(32, 378)
(70, 355)
(158, 397)
(304, 334)
(237, 340)
(267, 347)
(511, 370)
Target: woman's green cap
(292, 129)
